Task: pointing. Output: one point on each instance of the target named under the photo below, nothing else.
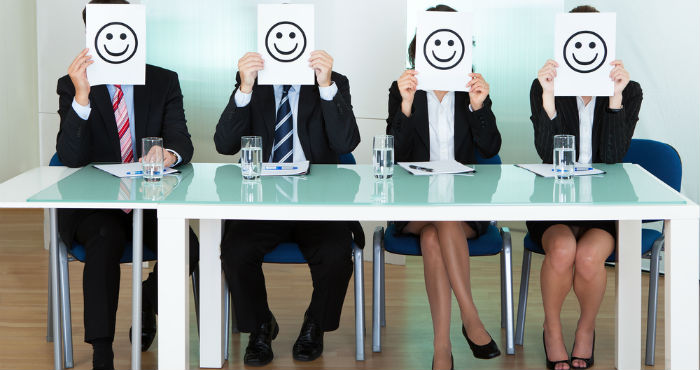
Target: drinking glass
(152, 160)
(251, 157)
(564, 191)
(564, 156)
(251, 191)
(383, 156)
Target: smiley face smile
(286, 52)
(585, 51)
(443, 42)
(116, 54)
(585, 63)
(116, 36)
(445, 60)
(285, 41)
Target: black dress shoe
(259, 350)
(551, 365)
(309, 344)
(102, 355)
(588, 361)
(485, 352)
(148, 327)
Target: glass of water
(383, 156)
(564, 156)
(251, 157)
(152, 160)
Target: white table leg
(211, 296)
(681, 296)
(173, 293)
(55, 292)
(628, 314)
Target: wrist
(615, 102)
(476, 106)
(82, 99)
(246, 89)
(406, 107)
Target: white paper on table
(133, 169)
(435, 168)
(285, 41)
(116, 37)
(584, 47)
(444, 50)
(285, 169)
(547, 170)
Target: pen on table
(425, 169)
(583, 168)
(134, 173)
(281, 168)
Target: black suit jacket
(612, 131)
(158, 111)
(326, 129)
(473, 130)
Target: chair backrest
(347, 159)
(55, 161)
(496, 159)
(661, 159)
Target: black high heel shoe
(588, 361)
(551, 365)
(485, 352)
(451, 359)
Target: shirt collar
(292, 90)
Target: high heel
(451, 359)
(551, 365)
(588, 361)
(485, 352)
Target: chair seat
(285, 253)
(78, 251)
(649, 236)
(488, 244)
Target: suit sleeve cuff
(242, 99)
(179, 159)
(82, 111)
(328, 93)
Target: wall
(18, 95)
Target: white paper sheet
(547, 170)
(285, 41)
(584, 46)
(133, 169)
(444, 50)
(116, 37)
(435, 168)
(285, 169)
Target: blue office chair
(663, 161)
(290, 253)
(494, 242)
(77, 253)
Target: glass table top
(209, 183)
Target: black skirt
(537, 228)
(479, 227)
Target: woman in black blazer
(575, 252)
(466, 123)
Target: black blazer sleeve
(341, 125)
(545, 128)
(400, 126)
(73, 143)
(617, 128)
(234, 123)
(485, 134)
(174, 130)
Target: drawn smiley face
(116, 42)
(443, 49)
(285, 42)
(585, 51)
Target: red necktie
(122, 116)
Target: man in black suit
(106, 123)
(296, 123)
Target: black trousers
(327, 247)
(104, 234)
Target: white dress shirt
(327, 93)
(441, 122)
(128, 90)
(585, 119)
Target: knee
(429, 241)
(560, 254)
(588, 264)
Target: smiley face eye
(279, 35)
(591, 45)
(451, 43)
(122, 36)
(578, 45)
(292, 35)
(437, 42)
(109, 36)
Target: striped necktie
(283, 149)
(121, 114)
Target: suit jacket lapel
(308, 98)
(420, 101)
(141, 103)
(461, 126)
(101, 100)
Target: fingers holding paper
(620, 76)
(546, 76)
(478, 90)
(248, 67)
(322, 64)
(407, 84)
(77, 72)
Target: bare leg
(556, 279)
(437, 286)
(590, 278)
